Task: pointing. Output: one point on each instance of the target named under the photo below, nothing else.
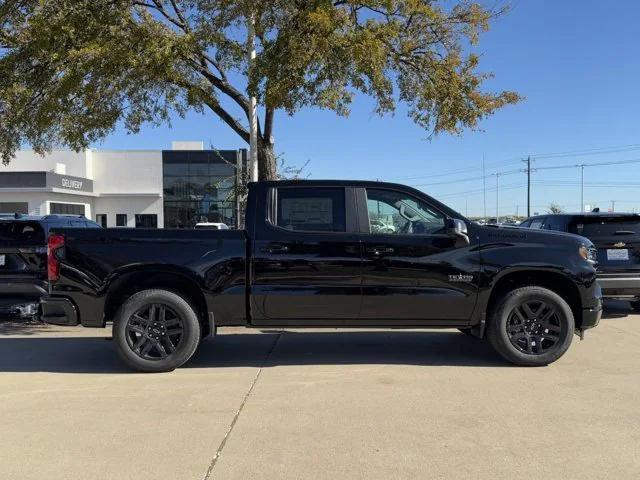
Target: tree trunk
(266, 161)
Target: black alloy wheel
(534, 327)
(530, 326)
(154, 331)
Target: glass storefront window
(198, 187)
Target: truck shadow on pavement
(98, 355)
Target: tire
(156, 331)
(635, 305)
(527, 335)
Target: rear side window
(311, 209)
(22, 233)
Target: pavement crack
(209, 471)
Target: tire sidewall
(188, 343)
(498, 331)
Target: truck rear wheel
(531, 326)
(156, 331)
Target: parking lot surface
(320, 404)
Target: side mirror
(458, 228)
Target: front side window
(537, 223)
(555, 224)
(526, 224)
(397, 213)
(311, 209)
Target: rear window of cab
(606, 227)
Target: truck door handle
(378, 251)
(276, 248)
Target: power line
(592, 151)
(468, 179)
(479, 191)
(455, 172)
(515, 159)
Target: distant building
(127, 188)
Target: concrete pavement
(320, 404)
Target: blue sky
(578, 66)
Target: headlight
(590, 254)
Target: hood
(523, 235)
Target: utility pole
(497, 198)
(613, 205)
(253, 114)
(484, 190)
(528, 172)
(581, 187)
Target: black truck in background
(326, 254)
(617, 238)
(23, 260)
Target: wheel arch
(130, 282)
(554, 280)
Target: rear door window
(307, 209)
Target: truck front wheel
(531, 326)
(156, 331)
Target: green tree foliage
(71, 70)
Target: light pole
(484, 191)
(497, 196)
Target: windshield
(606, 227)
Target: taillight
(56, 242)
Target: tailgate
(617, 240)
(23, 249)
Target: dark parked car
(617, 238)
(326, 254)
(23, 260)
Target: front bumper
(591, 315)
(619, 285)
(59, 311)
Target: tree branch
(211, 102)
(223, 86)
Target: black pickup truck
(326, 254)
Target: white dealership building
(133, 188)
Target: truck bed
(96, 261)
